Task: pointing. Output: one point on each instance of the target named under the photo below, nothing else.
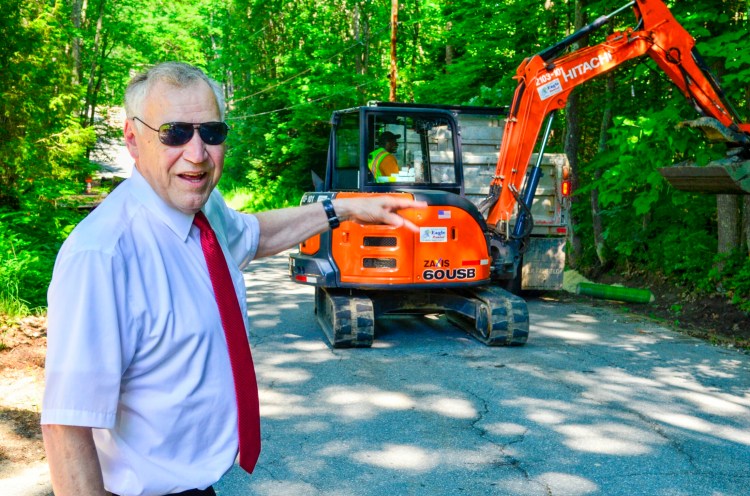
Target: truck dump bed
(480, 138)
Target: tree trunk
(355, 22)
(394, 65)
(728, 218)
(77, 16)
(417, 52)
(596, 216)
(572, 140)
(366, 54)
(449, 51)
(91, 97)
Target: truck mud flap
(499, 318)
(347, 318)
(543, 264)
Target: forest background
(286, 65)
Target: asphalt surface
(596, 403)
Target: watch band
(333, 220)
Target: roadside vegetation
(286, 65)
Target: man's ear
(129, 132)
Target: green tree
(44, 144)
(287, 65)
(647, 224)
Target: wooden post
(394, 67)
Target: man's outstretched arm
(287, 227)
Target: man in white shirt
(139, 397)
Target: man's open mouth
(192, 176)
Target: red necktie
(245, 385)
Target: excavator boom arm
(546, 81)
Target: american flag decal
(444, 214)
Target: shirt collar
(179, 222)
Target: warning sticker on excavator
(550, 89)
(433, 234)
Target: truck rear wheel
(346, 317)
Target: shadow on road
(595, 403)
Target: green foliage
(298, 61)
(44, 148)
(42, 138)
(647, 224)
(29, 241)
(262, 195)
(731, 276)
(119, 38)
(474, 48)
(11, 304)
(287, 65)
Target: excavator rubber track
(490, 314)
(347, 318)
(500, 317)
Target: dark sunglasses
(179, 133)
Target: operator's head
(175, 132)
(388, 140)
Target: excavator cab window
(346, 165)
(411, 149)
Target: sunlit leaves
(288, 64)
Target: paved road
(594, 404)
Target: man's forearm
(73, 463)
(284, 228)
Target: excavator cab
(427, 151)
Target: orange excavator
(467, 254)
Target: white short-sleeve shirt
(136, 349)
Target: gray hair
(177, 74)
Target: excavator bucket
(717, 177)
(730, 175)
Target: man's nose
(195, 149)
